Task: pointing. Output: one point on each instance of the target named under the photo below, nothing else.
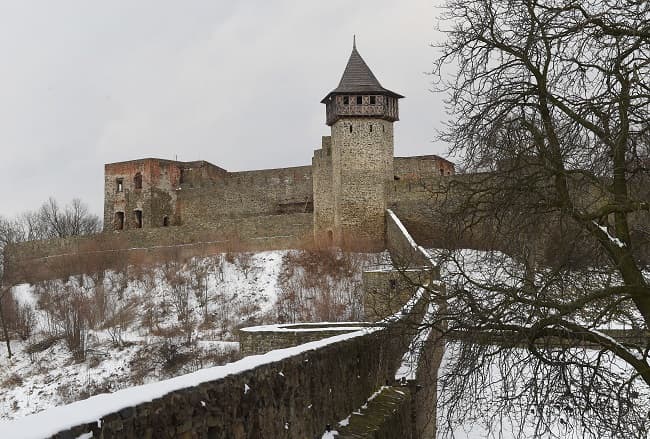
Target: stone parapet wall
(55, 258)
(260, 340)
(404, 251)
(387, 416)
(386, 289)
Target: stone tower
(353, 169)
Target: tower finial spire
(354, 41)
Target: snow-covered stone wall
(404, 251)
(257, 340)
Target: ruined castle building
(357, 166)
(339, 200)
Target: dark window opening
(373, 100)
(346, 100)
(120, 184)
(138, 219)
(166, 221)
(371, 128)
(181, 179)
(137, 181)
(393, 284)
(359, 100)
(119, 221)
(350, 127)
(442, 171)
(330, 237)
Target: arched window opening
(166, 221)
(119, 184)
(137, 181)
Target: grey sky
(238, 84)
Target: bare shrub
(13, 380)
(167, 359)
(42, 345)
(120, 316)
(322, 285)
(179, 289)
(20, 318)
(199, 273)
(69, 312)
(246, 263)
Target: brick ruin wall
(155, 195)
(419, 167)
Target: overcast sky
(236, 83)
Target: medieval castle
(347, 189)
(155, 209)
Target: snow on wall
(406, 253)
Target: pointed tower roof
(358, 78)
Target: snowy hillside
(99, 333)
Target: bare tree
(10, 232)
(549, 104)
(72, 220)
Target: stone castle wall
(58, 258)
(265, 192)
(419, 167)
(258, 340)
(323, 193)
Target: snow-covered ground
(145, 325)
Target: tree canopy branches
(549, 103)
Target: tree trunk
(4, 326)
